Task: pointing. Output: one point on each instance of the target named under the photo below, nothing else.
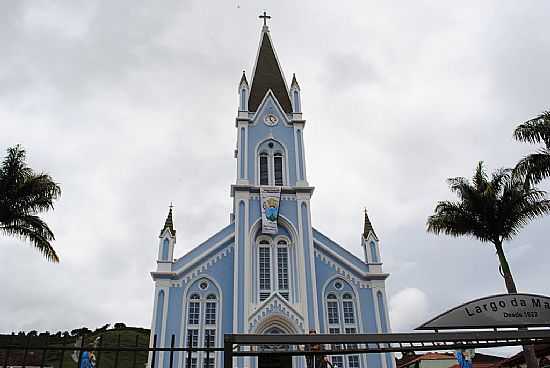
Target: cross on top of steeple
(265, 17)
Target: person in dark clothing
(315, 361)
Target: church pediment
(270, 105)
(276, 308)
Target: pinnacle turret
(367, 227)
(169, 223)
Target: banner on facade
(270, 197)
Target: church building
(270, 270)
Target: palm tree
(535, 166)
(24, 194)
(491, 210)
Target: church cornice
(358, 277)
(187, 275)
(256, 189)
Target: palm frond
(34, 230)
(23, 194)
(536, 130)
(535, 167)
(37, 193)
(490, 210)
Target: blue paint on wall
(369, 322)
(307, 254)
(240, 266)
(373, 252)
(206, 247)
(173, 321)
(173, 324)
(242, 151)
(165, 245)
(382, 310)
(258, 132)
(297, 107)
(338, 249)
(300, 155)
(158, 320)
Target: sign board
(270, 198)
(496, 311)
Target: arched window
(341, 317)
(296, 96)
(264, 169)
(273, 265)
(202, 321)
(271, 164)
(243, 100)
(282, 268)
(382, 311)
(373, 253)
(165, 249)
(278, 168)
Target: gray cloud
(130, 106)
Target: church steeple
(169, 223)
(367, 227)
(166, 244)
(371, 246)
(267, 76)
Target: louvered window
(265, 268)
(278, 165)
(264, 170)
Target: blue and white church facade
(241, 280)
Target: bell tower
(270, 153)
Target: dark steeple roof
(268, 75)
(368, 227)
(243, 80)
(294, 81)
(169, 224)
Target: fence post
(62, 358)
(8, 351)
(99, 352)
(172, 342)
(154, 351)
(228, 351)
(25, 352)
(135, 352)
(44, 352)
(80, 352)
(189, 352)
(117, 351)
(208, 353)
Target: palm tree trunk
(508, 279)
(528, 350)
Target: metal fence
(56, 352)
(123, 352)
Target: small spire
(368, 226)
(169, 223)
(243, 80)
(294, 82)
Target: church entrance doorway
(275, 360)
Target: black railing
(124, 351)
(353, 344)
(68, 352)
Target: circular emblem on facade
(203, 285)
(270, 119)
(338, 285)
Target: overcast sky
(131, 104)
